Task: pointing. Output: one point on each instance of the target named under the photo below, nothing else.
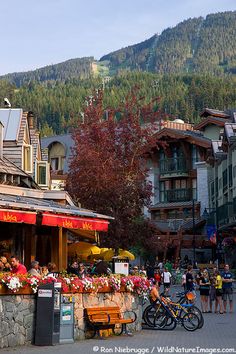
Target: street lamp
(207, 216)
(194, 233)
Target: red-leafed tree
(108, 170)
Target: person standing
(204, 287)
(218, 287)
(17, 267)
(183, 280)
(227, 287)
(189, 279)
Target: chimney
(1, 140)
(30, 118)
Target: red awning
(74, 222)
(18, 216)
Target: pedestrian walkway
(218, 332)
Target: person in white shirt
(166, 278)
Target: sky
(36, 33)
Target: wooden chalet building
(35, 221)
(179, 178)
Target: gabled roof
(210, 121)
(190, 136)
(8, 167)
(214, 113)
(11, 119)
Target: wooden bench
(105, 318)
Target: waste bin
(47, 325)
(67, 319)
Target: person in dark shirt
(101, 268)
(227, 288)
(189, 279)
(73, 268)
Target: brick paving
(219, 331)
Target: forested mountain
(58, 105)
(70, 69)
(196, 45)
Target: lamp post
(216, 220)
(194, 233)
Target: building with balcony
(222, 189)
(180, 192)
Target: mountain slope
(67, 70)
(194, 45)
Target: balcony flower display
(72, 284)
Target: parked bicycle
(155, 313)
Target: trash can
(47, 324)
(67, 319)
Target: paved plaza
(219, 332)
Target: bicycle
(155, 310)
(189, 320)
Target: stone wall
(17, 314)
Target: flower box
(25, 284)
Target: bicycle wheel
(198, 312)
(190, 321)
(160, 319)
(153, 316)
(149, 308)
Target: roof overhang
(182, 134)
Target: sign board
(44, 293)
(121, 266)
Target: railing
(178, 195)
(173, 165)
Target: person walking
(166, 278)
(227, 287)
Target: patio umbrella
(110, 253)
(83, 249)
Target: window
(42, 173)
(27, 158)
(230, 175)
(55, 163)
(225, 178)
(216, 186)
(212, 188)
(57, 153)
